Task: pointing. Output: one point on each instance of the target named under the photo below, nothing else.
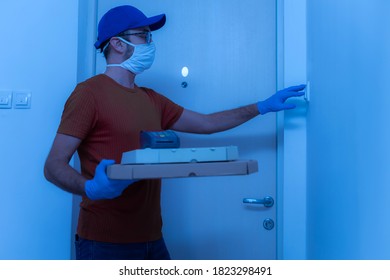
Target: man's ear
(117, 45)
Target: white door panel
(230, 50)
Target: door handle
(266, 201)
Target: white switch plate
(5, 99)
(22, 99)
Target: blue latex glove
(102, 187)
(276, 103)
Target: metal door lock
(268, 224)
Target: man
(103, 118)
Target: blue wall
(348, 132)
(38, 54)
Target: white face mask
(141, 59)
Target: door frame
(279, 130)
(291, 143)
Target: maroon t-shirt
(108, 118)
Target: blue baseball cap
(122, 18)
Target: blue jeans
(94, 250)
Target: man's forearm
(228, 119)
(195, 122)
(64, 176)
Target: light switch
(5, 99)
(22, 99)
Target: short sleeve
(79, 115)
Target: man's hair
(106, 49)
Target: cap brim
(154, 23)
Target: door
(229, 48)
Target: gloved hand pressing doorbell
(277, 103)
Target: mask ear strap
(105, 47)
(117, 64)
(125, 41)
(120, 38)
